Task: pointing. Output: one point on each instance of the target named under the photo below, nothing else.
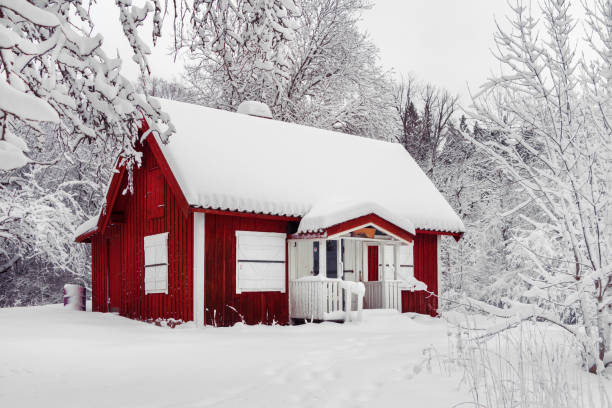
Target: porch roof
(341, 228)
(329, 213)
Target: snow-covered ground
(51, 357)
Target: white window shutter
(406, 261)
(156, 263)
(260, 261)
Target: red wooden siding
(155, 195)
(223, 305)
(130, 229)
(425, 270)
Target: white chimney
(254, 108)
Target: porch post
(339, 264)
(364, 261)
(396, 252)
(382, 276)
(323, 258)
(381, 272)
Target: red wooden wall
(224, 306)
(425, 270)
(133, 220)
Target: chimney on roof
(254, 108)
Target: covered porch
(362, 264)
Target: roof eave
(85, 237)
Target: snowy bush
(531, 366)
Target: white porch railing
(323, 299)
(383, 295)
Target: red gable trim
(456, 235)
(370, 219)
(86, 237)
(356, 223)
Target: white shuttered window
(260, 261)
(156, 263)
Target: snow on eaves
(88, 226)
(228, 161)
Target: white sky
(445, 42)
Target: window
(260, 261)
(331, 249)
(156, 196)
(156, 263)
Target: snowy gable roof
(224, 160)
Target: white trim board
(198, 268)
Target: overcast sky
(445, 42)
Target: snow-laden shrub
(530, 366)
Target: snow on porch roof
(327, 213)
(230, 161)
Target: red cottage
(243, 218)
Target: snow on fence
(383, 294)
(316, 298)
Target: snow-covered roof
(88, 226)
(229, 161)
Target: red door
(372, 263)
(114, 274)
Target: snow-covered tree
(426, 114)
(549, 110)
(168, 89)
(40, 207)
(52, 70)
(244, 42)
(326, 76)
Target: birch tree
(549, 109)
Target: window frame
(154, 266)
